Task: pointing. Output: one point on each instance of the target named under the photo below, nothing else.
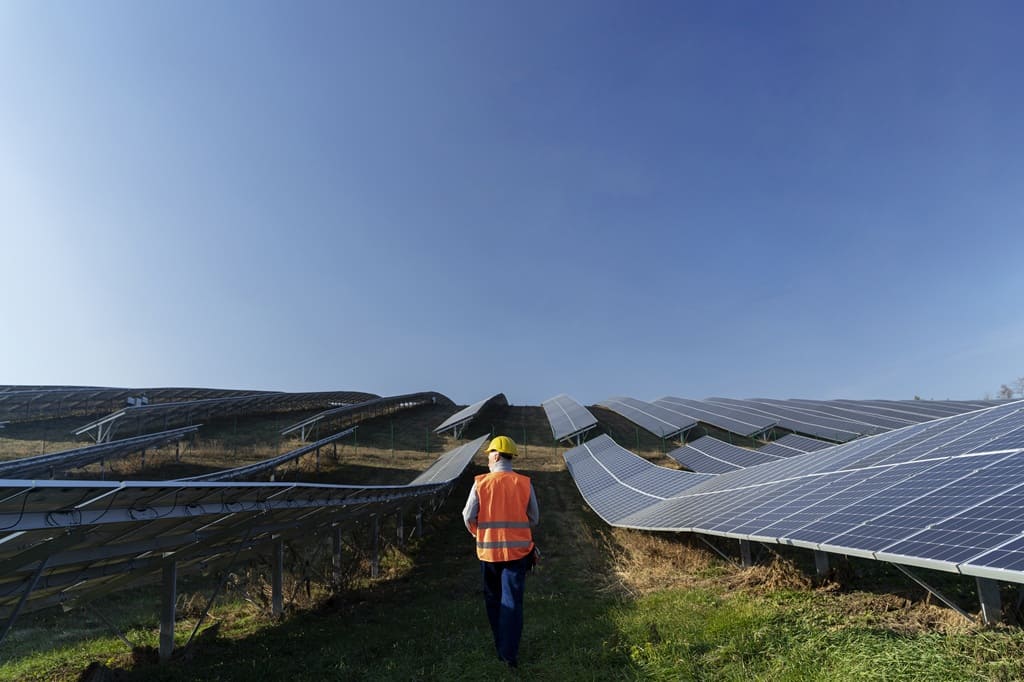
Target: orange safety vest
(503, 529)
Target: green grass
(697, 635)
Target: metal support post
(99, 612)
(168, 599)
(943, 598)
(277, 592)
(821, 563)
(336, 554)
(220, 586)
(29, 586)
(715, 549)
(400, 528)
(419, 523)
(991, 606)
(745, 555)
(375, 559)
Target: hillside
(606, 604)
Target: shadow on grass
(430, 623)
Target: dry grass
(644, 563)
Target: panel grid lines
(945, 494)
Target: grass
(606, 604)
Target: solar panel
(350, 414)
(893, 408)
(451, 465)
(21, 403)
(834, 429)
(248, 470)
(51, 463)
(926, 409)
(712, 456)
(735, 421)
(616, 483)
(858, 413)
(946, 494)
(458, 421)
(792, 444)
(817, 416)
(659, 421)
(568, 419)
(163, 415)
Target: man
(500, 511)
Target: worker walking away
(500, 511)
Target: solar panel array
(863, 414)
(450, 466)
(616, 483)
(458, 421)
(21, 403)
(350, 414)
(712, 456)
(167, 414)
(568, 418)
(729, 419)
(50, 464)
(838, 421)
(67, 540)
(654, 418)
(792, 419)
(792, 444)
(249, 470)
(945, 494)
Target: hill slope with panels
(946, 494)
(72, 541)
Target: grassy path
(430, 623)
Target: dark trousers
(504, 584)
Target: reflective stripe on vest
(503, 528)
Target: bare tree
(1018, 384)
(1005, 392)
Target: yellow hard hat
(504, 445)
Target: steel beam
(168, 599)
(375, 559)
(746, 557)
(277, 595)
(821, 563)
(991, 604)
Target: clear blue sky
(743, 199)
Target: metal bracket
(941, 597)
(717, 551)
(29, 586)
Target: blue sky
(740, 199)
